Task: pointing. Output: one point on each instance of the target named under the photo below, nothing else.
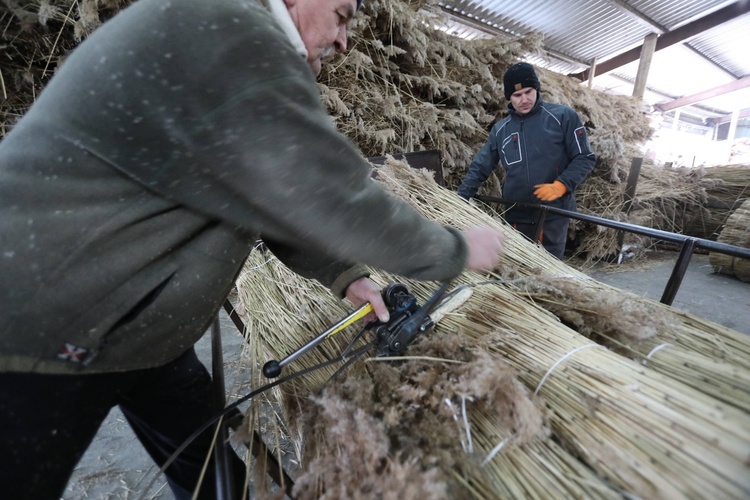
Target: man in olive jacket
(132, 192)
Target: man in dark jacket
(132, 192)
(545, 153)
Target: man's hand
(550, 192)
(365, 290)
(485, 247)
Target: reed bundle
(736, 232)
(706, 356)
(641, 431)
(523, 259)
(421, 429)
(730, 187)
(726, 188)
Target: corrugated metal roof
(577, 31)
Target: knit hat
(520, 76)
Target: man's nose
(340, 42)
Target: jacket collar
(278, 10)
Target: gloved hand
(549, 192)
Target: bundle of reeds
(593, 308)
(736, 232)
(708, 357)
(395, 430)
(642, 432)
(727, 187)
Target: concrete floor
(116, 467)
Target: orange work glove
(549, 192)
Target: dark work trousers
(48, 421)
(554, 235)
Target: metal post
(678, 272)
(592, 73)
(632, 183)
(732, 132)
(258, 447)
(647, 54)
(540, 223)
(224, 483)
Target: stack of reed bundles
(735, 232)
(674, 426)
(726, 187)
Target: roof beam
(706, 94)
(637, 15)
(692, 110)
(649, 23)
(679, 35)
(745, 113)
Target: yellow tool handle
(355, 316)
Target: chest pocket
(512, 149)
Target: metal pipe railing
(688, 243)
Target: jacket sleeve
(481, 167)
(581, 158)
(335, 274)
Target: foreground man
(132, 192)
(545, 153)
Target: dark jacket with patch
(549, 143)
(133, 190)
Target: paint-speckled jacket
(133, 190)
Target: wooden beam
(637, 15)
(706, 94)
(745, 113)
(647, 54)
(592, 73)
(679, 35)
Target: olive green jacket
(134, 188)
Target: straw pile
(385, 427)
(736, 232)
(36, 37)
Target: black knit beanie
(520, 76)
